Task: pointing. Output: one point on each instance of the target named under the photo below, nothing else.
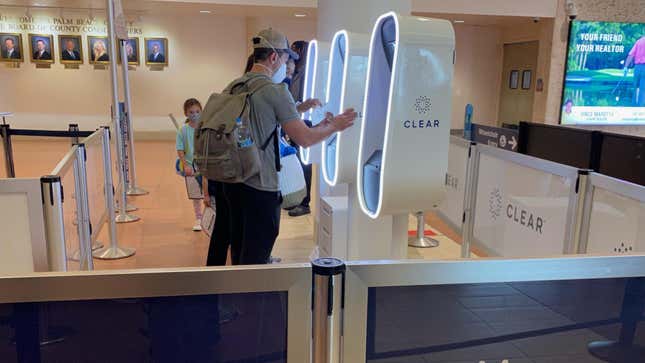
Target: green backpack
(217, 154)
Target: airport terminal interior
(470, 185)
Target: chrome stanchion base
(424, 242)
(137, 191)
(615, 352)
(128, 208)
(126, 218)
(113, 253)
(76, 256)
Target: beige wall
(542, 8)
(477, 74)
(205, 54)
(542, 32)
(599, 10)
(294, 29)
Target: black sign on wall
(500, 137)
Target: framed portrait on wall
(41, 48)
(132, 50)
(71, 50)
(11, 47)
(98, 49)
(514, 80)
(156, 51)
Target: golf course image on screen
(605, 74)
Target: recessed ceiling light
(205, 11)
(459, 21)
(299, 15)
(423, 19)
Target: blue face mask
(194, 117)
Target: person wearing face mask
(254, 206)
(185, 144)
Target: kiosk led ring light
(310, 82)
(403, 154)
(345, 89)
(314, 87)
(336, 83)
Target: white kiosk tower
(315, 87)
(403, 154)
(345, 231)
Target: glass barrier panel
(543, 321)
(72, 242)
(245, 327)
(452, 207)
(520, 211)
(617, 224)
(95, 185)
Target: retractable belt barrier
(6, 132)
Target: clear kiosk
(403, 153)
(315, 86)
(345, 231)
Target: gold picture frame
(18, 57)
(47, 54)
(77, 56)
(135, 49)
(163, 52)
(95, 41)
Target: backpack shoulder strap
(276, 147)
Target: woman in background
(297, 89)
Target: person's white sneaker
(198, 226)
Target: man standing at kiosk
(254, 206)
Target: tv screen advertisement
(605, 74)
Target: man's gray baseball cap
(273, 39)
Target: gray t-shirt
(272, 106)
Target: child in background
(185, 146)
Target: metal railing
(332, 312)
(263, 313)
(515, 205)
(85, 221)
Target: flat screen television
(605, 74)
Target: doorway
(518, 82)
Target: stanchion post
(470, 199)
(54, 222)
(577, 233)
(420, 240)
(133, 188)
(112, 252)
(82, 210)
(73, 128)
(328, 304)
(122, 216)
(5, 130)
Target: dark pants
(307, 171)
(220, 239)
(639, 85)
(254, 218)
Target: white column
(355, 15)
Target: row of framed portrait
(70, 50)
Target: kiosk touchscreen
(403, 153)
(345, 89)
(358, 236)
(315, 86)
